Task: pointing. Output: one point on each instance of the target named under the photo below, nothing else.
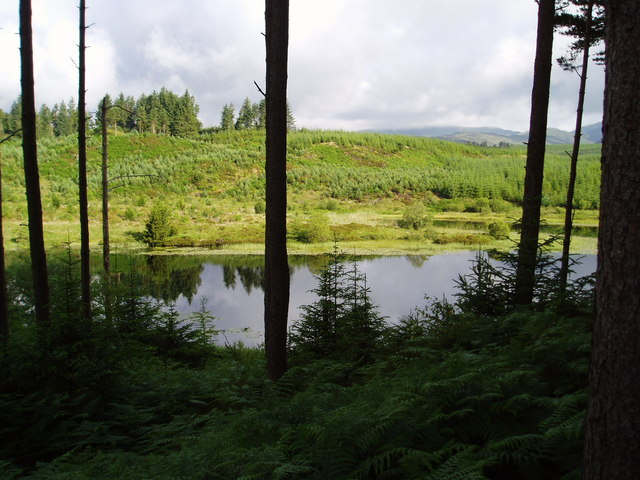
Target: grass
(359, 184)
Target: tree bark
(613, 419)
(528, 248)
(106, 242)
(85, 263)
(4, 299)
(276, 287)
(40, 274)
(106, 246)
(568, 214)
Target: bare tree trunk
(85, 265)
(39, 269)
(528, 248)
(276, 287)
(568, 215)
(106, 247)
(613, 418)
(4, 299)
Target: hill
(214, 184)
(493, 136)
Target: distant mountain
(494, 136)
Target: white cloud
(353, 64)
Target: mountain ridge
(493, 136)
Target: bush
(314, 228)
(331, 204)
(500, 206)
(499, 230)
(415, 217)
(480, 205)
(260, 207)
(159, 226)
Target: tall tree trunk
(276, 283)
(528, 248)
(4, 299)
(568, 215)
(613, 419)
(85, 265)
(106, 246)
(39, 269)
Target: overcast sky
(353, 64)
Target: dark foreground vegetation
(469, 390)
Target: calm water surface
(232, 289)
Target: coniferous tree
(246, 116)
(40, 275)
(588, 37)
(64, 118)
(105, 106)
(227, 119)
(276, 285)
(4, 298)
(85, 261)
(13, 123)
(291, 121)
(260, 114)
(45, 122)
(534, 170)
(613, 418)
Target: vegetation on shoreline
(349, 186)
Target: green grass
(361, 182)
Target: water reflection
(233, 285)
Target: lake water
(232, 285)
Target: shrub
(159, 226)
(55, 201)
(129, 214)
(260, 207)
(331, 204)
(480, 205)
(415, 217)
(499, 230)
(314, 228)
(500, 206)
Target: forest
(526, 373)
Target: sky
(353, 64)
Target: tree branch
(259, 89)
(12, 134)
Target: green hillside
(352, 186)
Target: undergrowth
(453, 391)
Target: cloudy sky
(353, 64)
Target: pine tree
(40, 275)
(13, 123)
(276, 284)
(85, 261)
(227, 117)
(588, 36)
(246, 116)
(45, 122)
(613, 418)
(532, 199)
